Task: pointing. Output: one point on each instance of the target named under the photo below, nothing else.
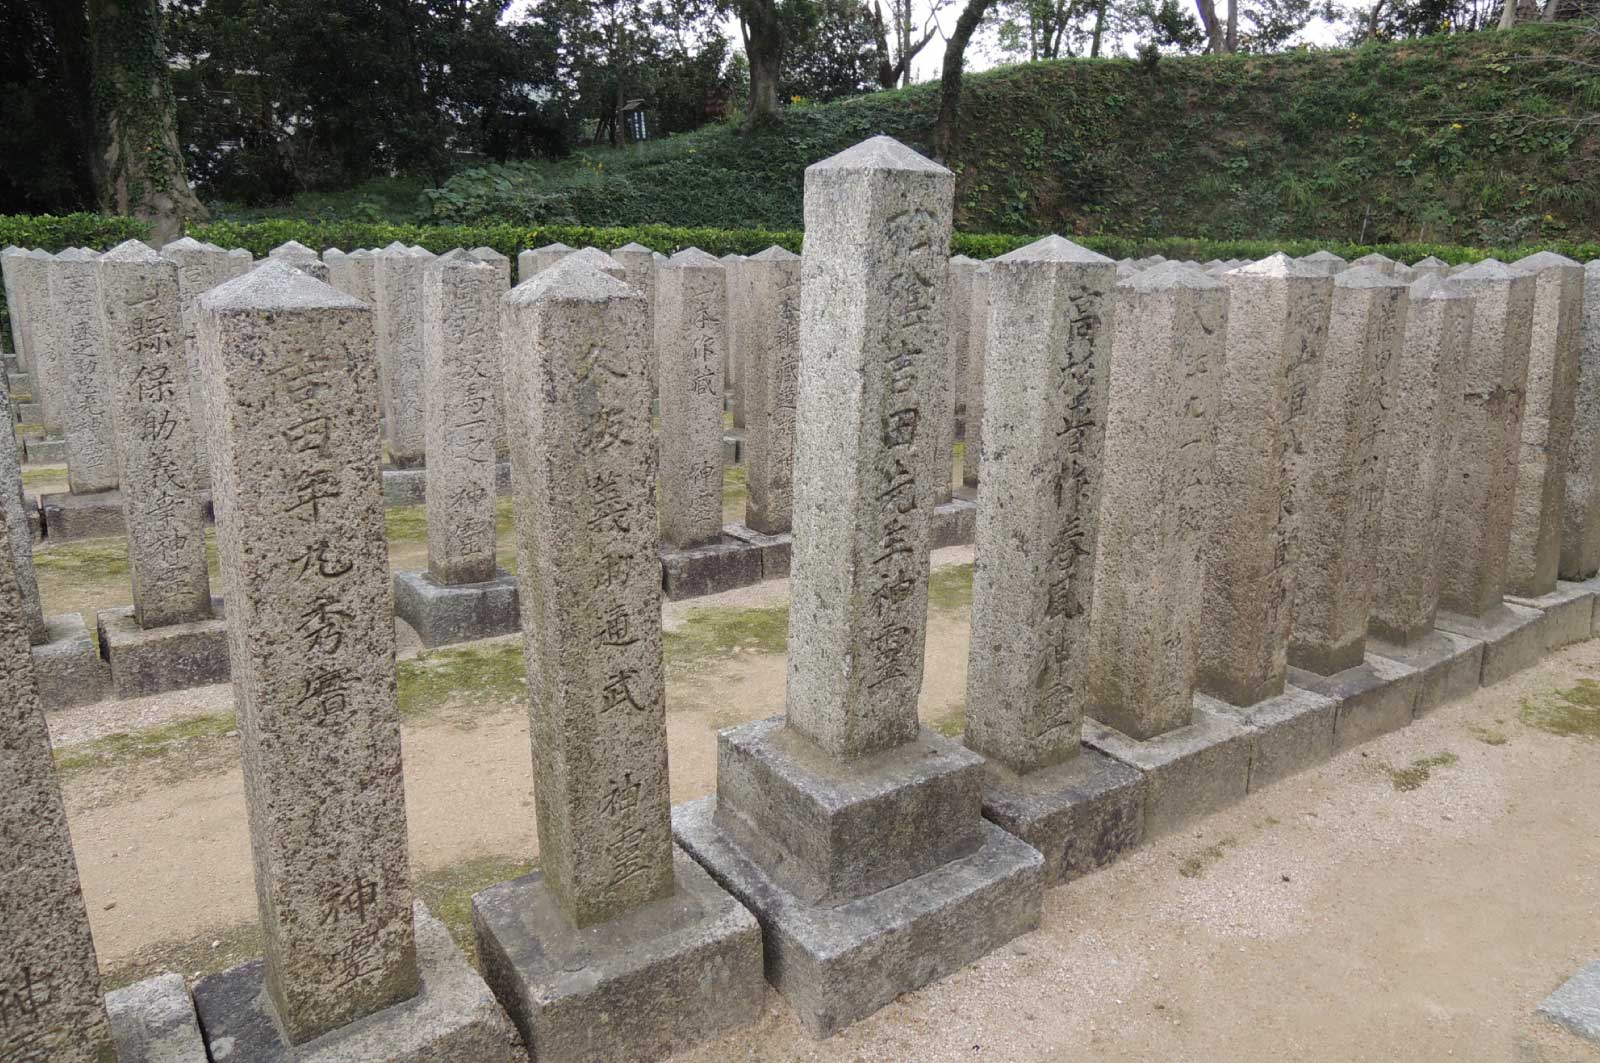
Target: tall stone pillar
(355, 274)
(531, 262)
(201, 267)
(21, 541)
(1340, 495)
(292, 380)
(85, 381)
(962, 271)
(1580, 526)
(977, 346)
(1547, 416)
(397, 291)
(463, 595)
(772, 336)
(856, 835)
(50, 1004)
(500, 263)
(12, 264)
(691, 337)
(668, 958)
(33, 285)
(736, 354)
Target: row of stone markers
(1190, 485)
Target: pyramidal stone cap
(1540, 261)
(276, 285)
(291, 248)
(777, 254)
(1434, 286)
(1054, 249)
(361, 252)
(632, 249)
(1169, 276)
(1367, 277)
(878, 153)
(1488, 270)
(963, 260)
(1278, 265)
(1429, 263)
(692, 256)
(595, 258)
(132, 251)
(552, 248)
(487, 254)
(184, 243)
(569, 282)
(460, 258)
(38, 253)
(77, 254)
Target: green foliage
(1479, 139)
(55, 233)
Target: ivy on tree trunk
(140, 168)
(955, 53)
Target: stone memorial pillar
(855, 834)
(50, 1005)
(463, 595)
(12, 265)
(1339, 503)
(977, 345)
(293, 252)
(1484, 454)
(80, 343)
(201, 267)
(1381, 263)
(33, 285)
(292, 380)
(1430, 265)
(530, 263)
(21, 541)
(669, 959)
(354, 274)
(1410, 546)
(502, 447)
(1325, 263)
(1580, 525)
(501, 263)
(772, 337)
(639, 264)
(168, 639)
(1547, 416)
(397, 291)
(735, 354)
(962, 271)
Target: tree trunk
(1213, 27)
(1099, 29)
(141, 165)
(1232, 42)
(1550, 9)
(1508, 14)
(955, 52)
(764, 49)
(887, 75)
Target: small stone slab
(443, 615)
(452, 1018)
(652, 981)
(1081, 814)
(153, 1021)
(69, 516)
(1291, 732)
(836, 966)
(724, 565)
(776, 550)
(1575, 1007)
(1511, 635)
(955, 523)
(44, 451)
(404, 487)
(146, 661)
(1451, 666)
(68, 667)
(1191, 771)
(1375, 697)
(1568, 613)
(829, 831)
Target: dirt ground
(1411, 900)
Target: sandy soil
(1333, 917)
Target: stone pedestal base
(30, 509)
(408, 487)
(1511, 637)
(45, 451)
(776, 550)
(1451, 666)
(732, 449)
(29, 413)
(174, 657)
(1568, 614)
(1081, 814)
(723, 565)
(642, 986)
(1375, 697)
(1189, 772)
(68, 516)
(453, 1017)
(154, 1022)
(1290, 732)
(838, 965)
(68, 668)
(955, 523)
(444, 615)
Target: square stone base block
(1375, 697)
(838, 965)
(408, 487)
(154, 1022)
(1081, 814)
(174, 657)
(1189, 772)
(68, 516)
(1451, 666)
(45, 451)
(657, 980)
(30, 509)
(452, 1019)
(955, 523)
(1568, 614)
(1289, 733)
(1511, 636)
(68, 667)
(1575, 1007)
(776, 550)
(720, 566)
(732, 449)
(443, 615)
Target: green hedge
(100, 233)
